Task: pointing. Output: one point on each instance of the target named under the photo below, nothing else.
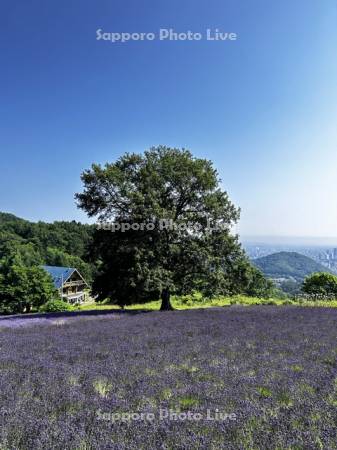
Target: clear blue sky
(264, 107)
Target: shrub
(269, 302)
(320, 286)
(56, 306)
(189, 299)
(23, 287)
(289, 302)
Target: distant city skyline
(291, 240)
(262, 107)
(324, 254)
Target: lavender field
(260, 377)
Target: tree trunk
(165, 300)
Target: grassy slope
(179, 303)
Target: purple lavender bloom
(79, 383)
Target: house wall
(79, 286)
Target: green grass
(96, 306)
(264, 392)
(188, 402)
(331, 303)
(197, 301)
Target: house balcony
(73, 283)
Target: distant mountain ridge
(289, 265)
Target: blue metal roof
(59, 274)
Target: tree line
(25, 247)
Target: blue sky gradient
(263, 108)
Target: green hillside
(288, 265)
(59, 243)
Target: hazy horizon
(295, 241)
(246, 239)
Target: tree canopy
(53, 244)
(321, 285)
(171, 223)
(23, 287)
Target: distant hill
(288, 265)
(71, 237)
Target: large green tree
(174, 224)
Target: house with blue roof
(69, 282)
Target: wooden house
(69, 282)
